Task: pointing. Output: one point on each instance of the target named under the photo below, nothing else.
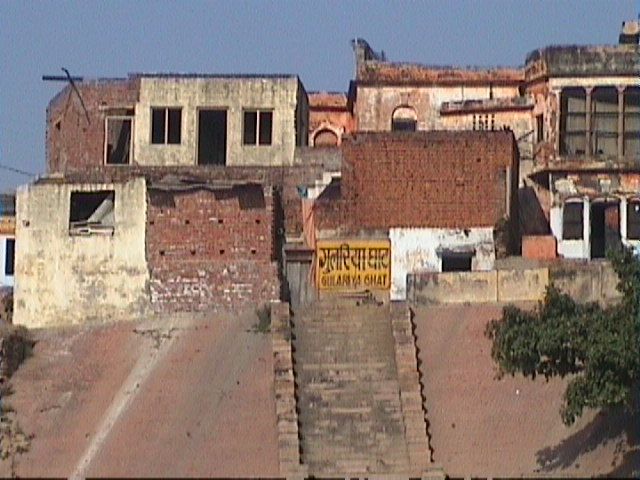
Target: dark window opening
(539, 128)
(572, 221)
(456, 262)
(9, 257)
(403, 125)
(632, 122)
(166, 125)
(604, 123)
(404, 119)
(633, 219)
(92, 212)
(266, 125)
(118, 141)
(605, 228)
(212, 137)
(573, 121)
(257, 127)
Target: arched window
(325, 138)
(404, 119)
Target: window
(166, 125)
(404, 119)
(484, 122)
(572, 221)
(539, 128)
(257, 127)
(325, 138)
(9, 257)
(91, 212)
(604, 123)
(573, 121)
(633, 219)
(632, 122)
(118, 140)
(456, 261)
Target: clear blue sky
(312, 39)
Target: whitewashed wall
(416, 250)
(572, 248)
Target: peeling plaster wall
(280, 95)
(416, 250)
(63, 279)
(375, 104)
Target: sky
(112, 38)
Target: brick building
(330, 117)
(446, 200)
(164, 193)
(586, 169)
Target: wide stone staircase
(350, 412)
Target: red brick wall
(286, 179)
(212, 249)
(427, 179)
(72, 139)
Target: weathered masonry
(125, 248)
(446, 200)
(176, 119)
(586, 169)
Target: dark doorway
(212, 137)
(605, 228)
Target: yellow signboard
(353, 264)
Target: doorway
(605, 227)
(212, 137)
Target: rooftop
(583, 60)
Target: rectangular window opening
(166, 126)
(118, 141)
(92, 213)
(572, 221)
(9, 257)
(573, 121)
(257, 127)
(457, 262)
(266, 120)
(633, 220)
(540, 128)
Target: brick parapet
(411, 397)
(284, 384)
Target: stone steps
(350, 410)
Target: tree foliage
(598, 347)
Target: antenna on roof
(72, 81)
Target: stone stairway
(348, 395)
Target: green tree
(598, 347)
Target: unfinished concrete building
(172, 119)
(163, 193)
(587, 143)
